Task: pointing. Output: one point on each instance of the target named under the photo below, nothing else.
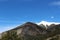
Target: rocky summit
(32, 31)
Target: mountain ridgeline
(32, 31)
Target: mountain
(47, 24)
(31, 31)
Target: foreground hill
(32, 31)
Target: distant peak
(45, 23)
(48, 23)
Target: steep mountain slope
(32, 31)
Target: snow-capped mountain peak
(48, 23)
(45, 23)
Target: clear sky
(16, 12)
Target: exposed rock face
(29, 29)
(32, 29)
(0, 36)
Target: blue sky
(16, 12)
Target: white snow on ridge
(45, 23)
